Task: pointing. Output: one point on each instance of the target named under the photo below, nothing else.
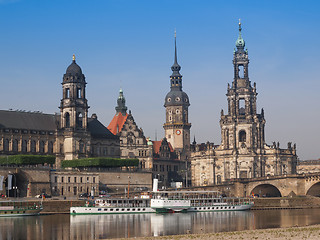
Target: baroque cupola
(121, 101)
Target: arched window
(81, 147)
(242, 107)
(15, 145)
(242, 136)
(41, 146)
(78, 92)
(67, 119)
(33, 146)
(24, 146)
(79, 120)
(6, 145)
(67, 93)
(241, 71)
(50, 147)
(218, 179)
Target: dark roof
(74, 69)
(28, 120)
(98, 130)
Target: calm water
(63, 226)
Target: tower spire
(175, 67)
(121, 108)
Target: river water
(64, 226)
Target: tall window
(41, 146)
(241, 71)
(67, 93)
(6, 145)
(67, 118)
(78, 92)
(24, 146)
(33, 146)
(79, 120)
(242, 136)
(50, 147)
(242, 107)
(15, 145)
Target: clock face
(178, 132)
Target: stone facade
(243, 152)
(133, 143)
(70, 135)
(308, 166)
(167, 167)
(73, 183)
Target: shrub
(100, 162)
(27, 160)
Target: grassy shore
(295, 233)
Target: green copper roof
(240, 42)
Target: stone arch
(266, 190)
(19, 184)
(314, 190)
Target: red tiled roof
(117, 123)
(157, 144)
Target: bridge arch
(314, 190)
(266, 190)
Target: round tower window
(169, 99)
(177, 99)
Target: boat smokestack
(155, 185)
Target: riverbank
(292, 233)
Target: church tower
(177, 127)
(242, 129)
(74, 113)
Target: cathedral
(243, 152)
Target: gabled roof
(117, 123)
(98, 130)
(157, 145)
(28, 120)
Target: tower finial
(74, 57)
(175, 47)
(240, 44)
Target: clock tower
(177, 127)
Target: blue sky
(130, 44)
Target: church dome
(176, 98)
(74, 68)
(73, 73)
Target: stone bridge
(275, 186)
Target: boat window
(99, 209)
(106, 209)
(143, 209)
(117, 209)
(128, 209)
(5, 212)
(111, 209)
(138, 209)
(122, 209)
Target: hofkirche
(72, 134)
